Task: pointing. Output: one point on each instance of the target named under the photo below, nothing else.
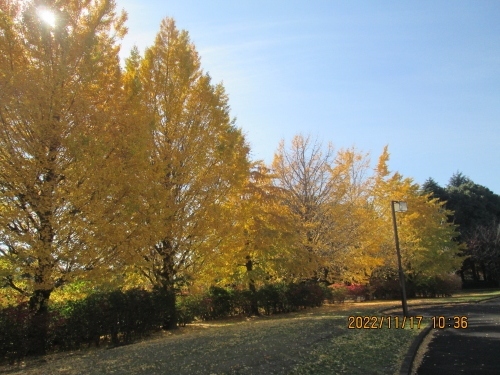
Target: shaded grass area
(314, 341)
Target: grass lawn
(314, 341)
(360, 351)
(463, 296)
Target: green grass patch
(464, 296)
(476, 295)
(359, 351)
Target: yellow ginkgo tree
(428, 245)
(198, 160)
(64, 212)
(264, 245)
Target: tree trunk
(475, 272)
(171, 316)
(167, 277)
(39, 322)
(254, 307)
(484, 272)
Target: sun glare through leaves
(47, 16)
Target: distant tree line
(476, 212)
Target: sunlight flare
(47, 16)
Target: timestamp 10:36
(401, 322)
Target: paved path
(474, 350)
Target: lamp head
(400, 206)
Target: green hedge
(271, 299)
(119, 317)
(435, 286)
(14, 324)
(384, 284)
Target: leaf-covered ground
(314, 341)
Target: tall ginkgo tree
(61, 206)
(351, 238)
(264, 244)
(302, 172)
(427, 240)
(198, 159)
(328, 194)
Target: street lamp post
(398, 206)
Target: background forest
(132, 187)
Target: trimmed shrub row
(436, 286)
(119, 317)
(341, 292)
(388, 287)
(270, 299)
(384, 284)
(14, 332)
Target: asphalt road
(471, 350)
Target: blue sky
(422, 77)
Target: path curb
(412, 352)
